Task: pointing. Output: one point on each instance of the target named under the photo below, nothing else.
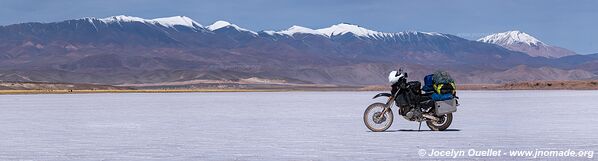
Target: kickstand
(420, 127)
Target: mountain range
(125, 50)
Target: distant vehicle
(413, 105)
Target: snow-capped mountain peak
(219, 24)
(176, 20)
(299, 29)
(222, 24)
(165, 21)
(343, 28)
(122, 18)
(522, 42)
(511, 37)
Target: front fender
(382, 95)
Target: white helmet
(394, 76)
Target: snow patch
(176, 20)
(222, 24)
(166, 21)
(299, 29)
(269, 32)
(344, 28)
(122, 18)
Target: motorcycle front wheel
(375, 120)
(442, 124)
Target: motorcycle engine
(413, 114)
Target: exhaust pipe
(430, 117)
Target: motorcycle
(413, 106)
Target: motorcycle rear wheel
(375, 123)
(442, 124)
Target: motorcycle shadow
(426, 130)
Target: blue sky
(568, 24)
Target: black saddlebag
(415, 87)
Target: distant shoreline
(64, 91)
(530, 85)
(26, 92)
(76, 88)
